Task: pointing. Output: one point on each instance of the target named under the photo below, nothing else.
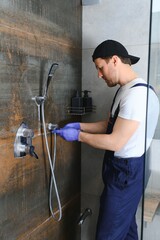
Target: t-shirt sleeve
(133, 105)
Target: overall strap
(136, 85)
(143, 84)
(114, 99)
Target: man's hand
(69, 134)
(75, 125)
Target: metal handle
(32, 152)
(84, 215)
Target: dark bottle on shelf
(87, 101)
(77, 103)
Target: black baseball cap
(109, 48)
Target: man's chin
(111, 84)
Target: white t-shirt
(133, 103)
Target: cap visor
(134, 59)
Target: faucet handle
(32, 152)
(27, 132)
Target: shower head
(51, 72)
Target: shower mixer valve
(23, 142)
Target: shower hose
(52, 166)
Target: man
(123, 137)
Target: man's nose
(100, 75)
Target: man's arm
(97, 127)
(122, 132)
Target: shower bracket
(39, 100)
(52, 126)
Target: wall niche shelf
(80, 110)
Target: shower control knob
(32, 152)
(23, 142)
(26, 132)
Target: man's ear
(115, 59)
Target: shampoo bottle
(77, 103)
(87, 101)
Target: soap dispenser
(87, 101)
(77, 103)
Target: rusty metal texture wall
(33, 35)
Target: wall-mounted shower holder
(23, 142)
(52, 126)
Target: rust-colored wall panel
(58, 231)
(33, 35)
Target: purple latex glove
(75, 125)
(68, 134)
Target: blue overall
(123, 187)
